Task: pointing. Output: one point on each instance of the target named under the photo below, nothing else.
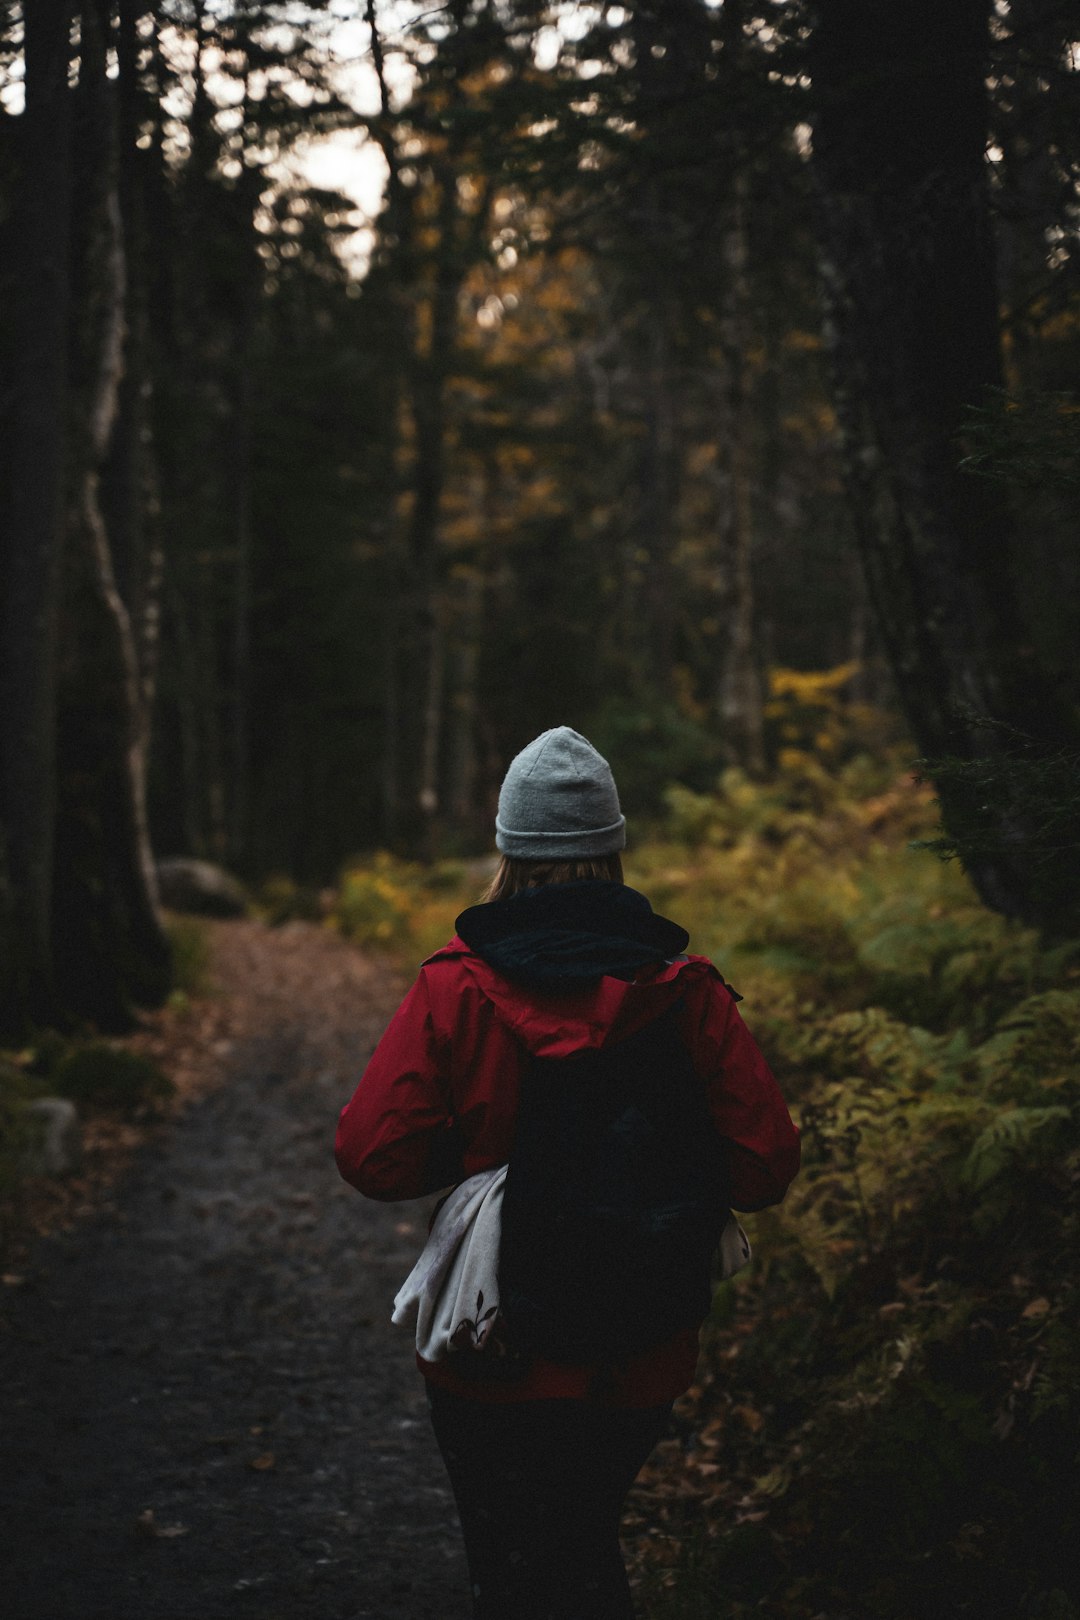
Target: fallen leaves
(256, 971)
(749, 1417)
(775, 1482)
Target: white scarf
(454, 1284)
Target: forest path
(212, 1355)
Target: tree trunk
(672, 45)
(459, 242)
(899, 146)
(197, 491)
(37, 458)
(243, 475)
(659, 485)
(861, 685)
(390, 764)
(131, 497)
(108, 924)
(429, 477)
(465, 712)
(192, 776)
(432, 730)
(241, 713)
(402, 627)
(741, 697)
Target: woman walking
(564, 1030)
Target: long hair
(513, 876)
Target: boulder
(60, 1149)
(200, 887)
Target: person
(561, 958)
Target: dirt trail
(204, 1412)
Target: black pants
(539, 1486)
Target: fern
(1035, 1047)
(1014, 1133)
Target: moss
(189, 940)
(100, 1076)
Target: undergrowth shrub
(910, 1335)
(190, 944)
(1034, 1054)
(280, 900)
(19, 1132)
(374, 904)
(110, 1077)
(401, 907)
(809, 712)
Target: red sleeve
(746, 1103)
(394, 1134)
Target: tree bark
(458, 242)
(242, 609)
(741, 701)
(249, 290)
(464, 763)
(190, 737)
(658, 519)
(397, 229)
(741, 697)
(110, 910)
(899, 142)
(430, 756)
(429, 476)
(37, 462)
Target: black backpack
(615, 1197)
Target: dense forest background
(684, 343)
(383, 383)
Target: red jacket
(437, 1102)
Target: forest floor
(205, 1411)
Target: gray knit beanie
(558, 802)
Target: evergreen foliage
(555, 440)
(1020, 778)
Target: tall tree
(436, 222)
(111, 945)
(900, 139)
(36, 465)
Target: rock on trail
(204, 1411)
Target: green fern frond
(1011, 1134)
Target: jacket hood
(586, 964)
(569, 935)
